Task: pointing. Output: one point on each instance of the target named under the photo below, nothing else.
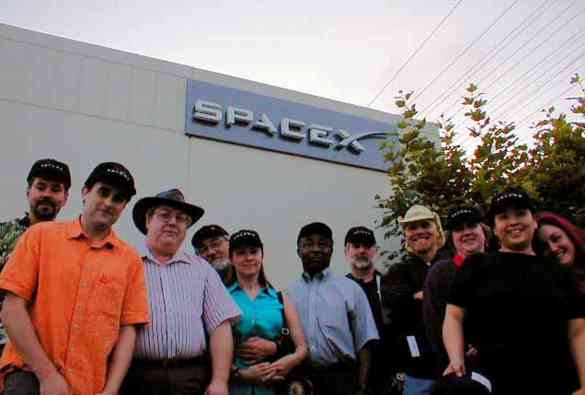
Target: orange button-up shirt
(79, 293)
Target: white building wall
(85, 104)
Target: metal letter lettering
(350, 141)
(286, 129)
(207, 111)
(318, 135)
(238, 115)
(264, 124)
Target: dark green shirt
(10, 232)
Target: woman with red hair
(558, 237)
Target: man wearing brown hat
(74, 294)
(402, 292)
(47, 192)
(187, 302)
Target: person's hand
(580, 391)
(419, 295)
(277, 372)
(217, 388)
(255, 349)
(108, 393)
(54, 384)
(455, 366)
(256, 373)
(471, 351)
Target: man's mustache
(48, 201)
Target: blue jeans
(416, 386)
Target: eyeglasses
(180, 217)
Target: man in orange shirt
(74, 294)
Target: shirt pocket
(109, 298)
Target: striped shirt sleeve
(218, 305)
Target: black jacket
(399, 285)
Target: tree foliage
(436, 175)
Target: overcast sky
(522, 52)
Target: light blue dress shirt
(261, 317)
(336, 317)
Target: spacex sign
(230, 115)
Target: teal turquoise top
(261, 317)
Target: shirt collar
(320, 276)
(352, 277)
(268, 290)
(24, 221)
(74, 230)
(180, 256)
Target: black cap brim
(144, 204)
(207, 232)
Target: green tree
(422, 172)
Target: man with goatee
(361, 252)
(402, 290)
(48, 189)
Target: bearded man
(362, 253)
(48, 184)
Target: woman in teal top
(261, 318)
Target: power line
(420, 47)
(533, 50)
(547, 104)
(468, 141)
(569, 40)
(531, 94)
(523, 45)
(503, 103)
(488, 57)
(466, 49)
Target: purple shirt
(187, 300)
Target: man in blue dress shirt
(336, 317)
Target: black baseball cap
(318, 228)
(463, 214)
(245, 238)
(51, 169)
(511, 197)
(115, 174)
(207, 232)
(360, 234)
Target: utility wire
(526, 81)
(467, 141)
(547, 104)
(533, 50)
(562, 25)
(571, 40)
(542, 7)
(533, 92)
(465, 50)
(420, 47)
